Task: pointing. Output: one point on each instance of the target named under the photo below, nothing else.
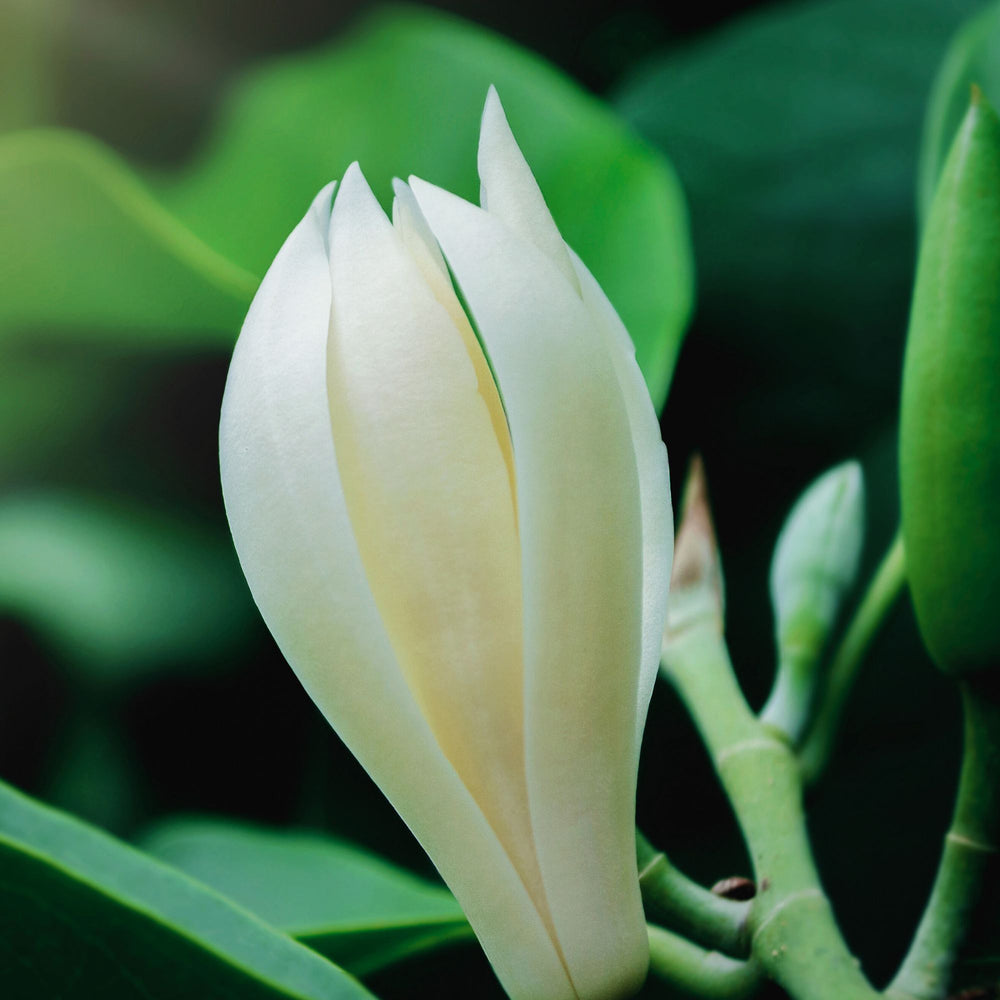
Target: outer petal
(289, 520)
(510, 192)
(654, 485)
(580, 517)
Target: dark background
(769, 405)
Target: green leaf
(86, 245)
(972, 58)
(355, 908)
(86, 915)
(404, 95)
(794, 132)
(117, 588)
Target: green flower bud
(950, 420)
(815, 564)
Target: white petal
(580, 518)
(654, 484)
(291, 527)
(509, 191)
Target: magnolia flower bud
(463, 549)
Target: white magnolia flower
(463, 550)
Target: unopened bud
(815, 564)
(950, 419)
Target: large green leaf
(85, 244)
(972, 58)
(403, 95)
(795, 133)
(117, 588)
(355, 908)
(84, 915)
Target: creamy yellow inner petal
(427, 482)
(419, 242)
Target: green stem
(971, 852)
(671, 898)
(705, 974)
(884, 589)
(794, 937)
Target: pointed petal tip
(356, 199)
(493, 109)
(353, 174)
(494, 128)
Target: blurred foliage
(795, 135)
(71, 208)
(117, 589)
(795, 132)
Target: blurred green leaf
(351, 906)
(86, 915)
(86, 245)
(972, 58)
(116, 588)
(404, 95)
(795, 134)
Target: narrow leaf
(355, 908)
(83, 914)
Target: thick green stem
(705, 974)
(794, 937)
(884, 589)
(672, 899)
(971, 854)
